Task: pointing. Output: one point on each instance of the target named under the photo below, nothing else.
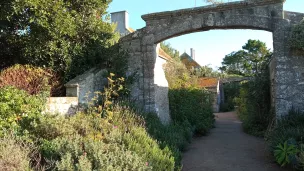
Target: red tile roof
(208, 82)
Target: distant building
(215, 86)
(189, 61)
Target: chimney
(192, 53)
(121, 18)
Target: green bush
(285, 153)
(120, 139)
(254, 106)
(14, 155)
(287, 127)
(75, 152)
(65, 139)
(18, 109)
(192, 105)
(231, 91)
(300, 158)
(290, 129)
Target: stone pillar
(287, 72)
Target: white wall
(161, 89)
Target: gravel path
(228, 148)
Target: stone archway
(265, 15)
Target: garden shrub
(288, 130)
(287, 127)
(14, 155)
(124, 133)
(193, 105)
(18, 109)
(121, 139)
(300, 158)
(231, 91)
(254, 107)
(25, 77)
(74, 152)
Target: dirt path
(228, 148)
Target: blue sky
(210, 46)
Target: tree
(170, 50)
(207, 71)
(249, 61)
(69, 36)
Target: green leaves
(59, 34)
(249, 61)
(284, 152)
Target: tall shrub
(188, 102)
(25, 77)
(67, 36)
(254, 106)
(231, 91)
(18, 109)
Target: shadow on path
(228, 148)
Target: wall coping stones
(213, 8)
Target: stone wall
(62, 105)
(142, 44)
(286, 68)
(84, 86)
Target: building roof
(208, 82)
(188, 61)
(163, 54)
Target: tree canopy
(249, 61)
(170, 50)
(69, 36)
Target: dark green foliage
(285, 152)
(249, 61)
(231, 91)
(193, 105)
(175, 136)
(207, 71)
(300, 158)
(254, 106)
(68, 36)
(289, 126)
(288, 129)
(297, 37)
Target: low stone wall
(79, 91)
(84, 86)
(62, 105)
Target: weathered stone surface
(265, 15)
(84, 86)
(62, 105)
